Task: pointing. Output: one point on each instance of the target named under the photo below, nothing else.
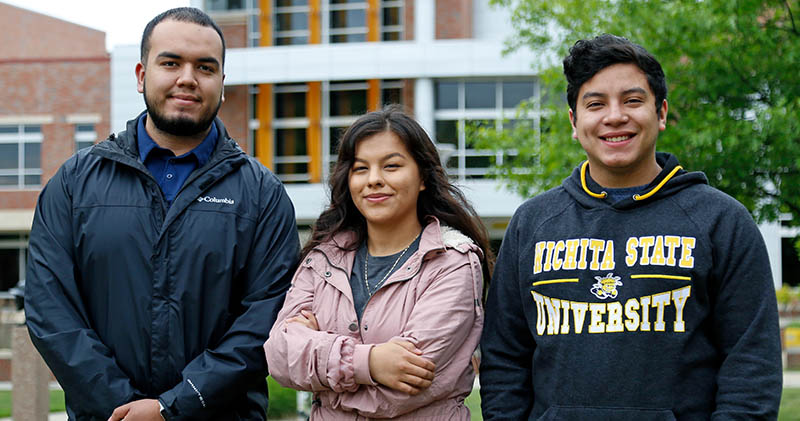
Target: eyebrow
(391, 155)
(636, 90)
(167, 54)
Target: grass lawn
(282, 403)
(56, 402)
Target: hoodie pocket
(580, 413)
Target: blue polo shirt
(171, 171)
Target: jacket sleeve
(445, 325)
(507, 345)
(306, 359)
(215, 378)
(745, 322)
(56, 316)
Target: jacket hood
(434, 237)
(672, 179)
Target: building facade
(298, 72)
(55, 84)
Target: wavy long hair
(440, 198)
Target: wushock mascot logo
(606, 286)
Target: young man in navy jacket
(160, 257)
(634, 291)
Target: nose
(375, 176)
(186, 77)
(616, 115)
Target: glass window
(341, 38)
(20, 155)
(222, 5)
(480, 94)
(392, 36)
(85, 136)
(392, 96)
(291, 41)
(391, 16)
(9, 156)
(350, 102)
(33, 155)
(348, 18)
(9, 261)
(447, 131)
(347, 21)
(13, 250)
(32, 180)
(336, 137)
(290, 104)
(516, 92)
(290, 142)
(446, 95)
(291, 21)
(288, 3)
(483, 104)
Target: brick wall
(53, 69)
(29, 34)
(234, 113)
(453, 19)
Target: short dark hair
(180, 14)
(587, 57)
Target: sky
(122, 20)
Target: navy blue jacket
(656, 307)
(129, 299)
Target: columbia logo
(209, 199)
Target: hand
(141, 410)
(305, 318)
(397, 364)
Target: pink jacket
(433, 301)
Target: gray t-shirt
(378, 271)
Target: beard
(180, 126)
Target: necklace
(366, 264)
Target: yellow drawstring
(601, 195)
(659, 186)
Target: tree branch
(791, 17)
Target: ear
(572, 122)
(140, 77)
(662, 116)
(223, 89)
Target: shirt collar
(202, 152)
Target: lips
(376, 197)
(186, 99)
(617, 138)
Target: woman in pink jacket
(384, 312)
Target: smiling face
(182, 79)
(385, 182)
(617, 123)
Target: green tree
(733, 74)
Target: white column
(424, 20)
(771, 231)
(423, 105)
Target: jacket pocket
(581, 413)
